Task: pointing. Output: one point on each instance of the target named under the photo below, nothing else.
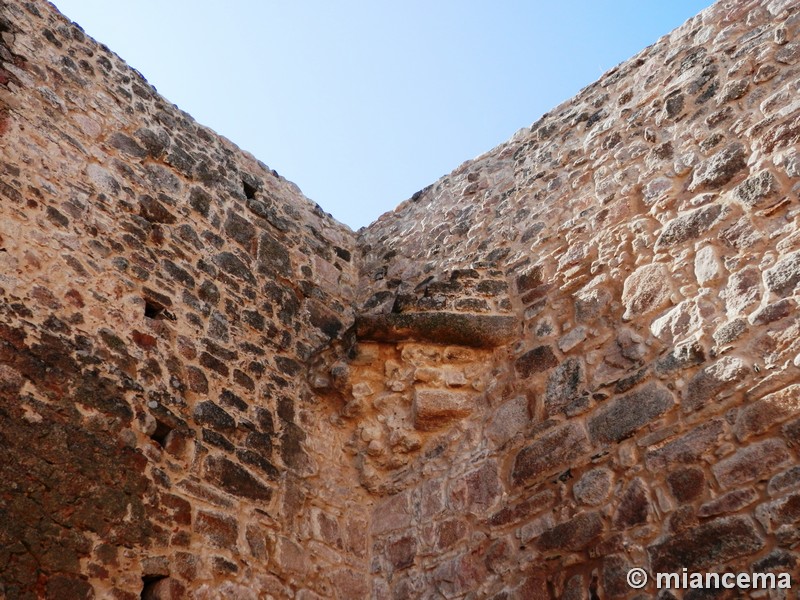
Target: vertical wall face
(161, 291)
(575, 354)
(647, 412)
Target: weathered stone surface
(728, 503)
(444, 328)
(573, 535)
(689, 226)
(235, 480)
(751, 462)
(220, 530)
(646, 290)
(708, 383)
(188, 406)
(763, 414)
(711, 543)
(687, 448)
(784, 511)
(633, 507)
(686, 484)
(537, 360)
(757, 188)
(593, 487)
(743, 290)
(622, 416)
(564, 385)
(783, 278)
(509, 419)
(552, 451)
(435, 408)
(719, 169)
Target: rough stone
(647, 289)
(763, 414)
(435, 408)
(709, 382)
(622, 416)
(757, 188)
(782, 278)
(719, 169)
(593, 487)
(752, 462)
(551, 451)
(573, 535)
(711, 543)
(537, 360)
(689, 226)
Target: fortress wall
(572, 355)
(161, 292)
(645, 234)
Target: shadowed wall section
(573, 355)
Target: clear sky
(362, 103)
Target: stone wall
(575, 354)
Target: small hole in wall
(153, 310)
(159, 436)
(150, 587)
(249, 190)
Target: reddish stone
(449, 532)
(401, 552)
(235, 479)
(144, 340)
(498, 556)
(712, 543)
(686, 484)
(551, 453)
(634, 506)
(534, 587)
(621, 417)
(759, 416)
(686, 449)
(728, 503)
(392, 513)
(530, 279)
(534, 361)
(593, 487)
(719, 169)
(186, 565)
(221, 530)
(784, 511)
(573, 535)
(328, 529)
(460, 575)
(61, 587)
(483, 487)
(431, 500)
(355, 536)
(163, 589)
(752, 462)
(527, 508)
(435, 408)
(615, 571)
(350, 584)
(181, 509)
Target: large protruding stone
(480, 331)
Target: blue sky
(363, 103)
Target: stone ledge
(478, 331)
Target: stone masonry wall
(646, 413)
(161, 292)
(575, 354)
